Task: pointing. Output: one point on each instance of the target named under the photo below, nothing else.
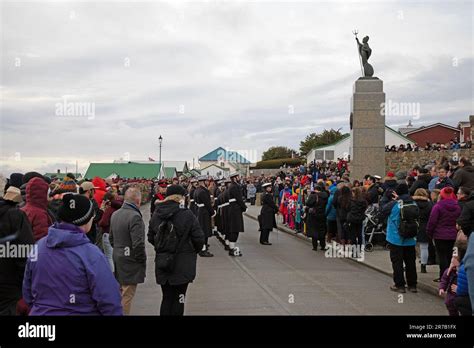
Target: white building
(342, 148)
(215, 171)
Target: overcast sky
(209, 74)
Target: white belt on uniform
(200, 205)
(191, 200)
(224, 204)
(232, 200)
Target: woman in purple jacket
(442, 227)
(68, 275)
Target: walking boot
(423, 268)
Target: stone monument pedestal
(367, 128)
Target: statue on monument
(365, 52)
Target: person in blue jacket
(69, 275)
(331, 215)
(402, 250)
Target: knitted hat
(175, 190)
(447, 193)
(68, 185)
(76, 209)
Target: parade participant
(267, 214)
(127, 237)
(67, 264)
(205, 212)
(14, 225)
(160, 195)
(235, 219)
(192, 204)
(174, 280)
(219, 221)
(225, 213)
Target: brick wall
(395, 161)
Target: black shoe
(226, 247)
(235, 252)
(423, 268)
(324, 249)
(315, 249)
(437, 280)
(398, 289)
(266, 243)
(205, 254)
(412, 289)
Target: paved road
(287, 278)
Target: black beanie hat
(402, 189)
(16, 179)
(30, 175)
(175, 190)
(76, 209)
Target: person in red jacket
(112, 204)
(100, 190)
(36, 207)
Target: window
(319, 154)
(329, 155)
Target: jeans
(108, 250)
(173, 299)
(424, 253)
(444, 249)
(400, 255)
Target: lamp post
(160, 139)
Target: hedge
(277, 163)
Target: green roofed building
(169, 173)
(125, 170)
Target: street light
(160, 139)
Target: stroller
(374, 229)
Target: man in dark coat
(192, 204)
(127, 237)
(225, 213)
(372, 191)
(464, 176)
(15, 229)
(267, 214)
(205, 212)
(174, 283)
(235, 219)
(219, 221)
(422, 181)
(316, 217)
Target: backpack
(409, 219)
(166, 245)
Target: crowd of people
(452, 145)
(90, 235)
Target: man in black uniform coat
(235, 218)
(218, 220)
(192, 205)
(205, 212)
(225, 213)
(267, 214)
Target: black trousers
(319, 235)
(232, 237)
(444, 249)
(8, 309)
(355, 233)
(172, 302)
(264, 234)
(463, 305)
(400, 255)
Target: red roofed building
(435, 133)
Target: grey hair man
(127, 236)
